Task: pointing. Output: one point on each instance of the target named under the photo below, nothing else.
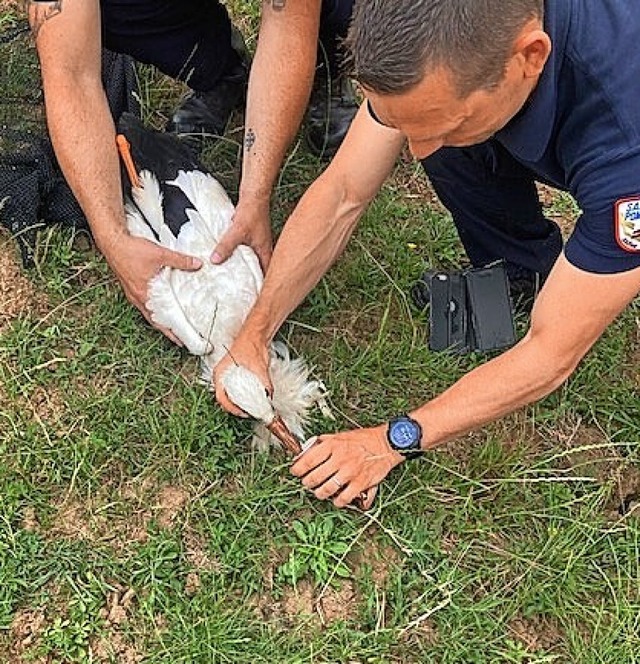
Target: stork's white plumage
(204, 309)
(181, 206)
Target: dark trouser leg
(333, 104)
(334, 23)
(495, 207)
(189, 40)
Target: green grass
(119, 473)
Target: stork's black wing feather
(164, 155)
(161, 153)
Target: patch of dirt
(192, 584)
(590, 454)
(83, 519)
(381, 559)
(325, 605)
(73, 521)
(306, 601)
(133, 527)
(24, 634)
(137, 490)
(113, 645)
(298, 603)
(13, 7)
(142, 500)
(537, 633)
(196, 554)
(30, 520)
(29, 624)
(17, 294)
(170, 503)
(118, 606)
(338, 604)
(47, 405)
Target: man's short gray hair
(394, 43)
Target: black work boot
(421, 290)
(207, 113)
(524, 288)
(332, 107)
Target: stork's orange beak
(124, 148)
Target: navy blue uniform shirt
(580, 129)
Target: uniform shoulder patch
(627, 222)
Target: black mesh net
(33, 191)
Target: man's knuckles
(308, 461)
(316, 478)
(324, 492)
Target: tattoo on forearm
(43, 10)
(249, 139)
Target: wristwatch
(404, 435)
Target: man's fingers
(264, 256)
(236, 236)
(368, 497)
(169, 334)
(312, 458)
(229, 241)
(180, 261)
(355, 492)
(322, 475)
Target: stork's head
(160, 153)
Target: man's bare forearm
(279, 87)
(80, 123)
(541, 362)
(85, 148)
(320, 226)
(314, 236)
(518, 377)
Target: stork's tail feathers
(294, 391)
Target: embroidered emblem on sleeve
(628, 223)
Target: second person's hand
(135, 261)
(341, 466)
(251, 226)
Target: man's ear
(532, 48)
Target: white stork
(177, 203)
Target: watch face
(404, 434)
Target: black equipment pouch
(470, 310)
(448, 319)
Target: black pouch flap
(489, 308)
